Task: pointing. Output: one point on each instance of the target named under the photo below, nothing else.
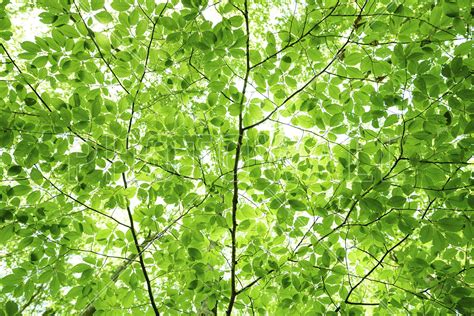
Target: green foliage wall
(236, 157)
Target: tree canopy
(243, 157)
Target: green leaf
(30, 101)
(14, 170)
(297, 205)
(11, 308)
(465, 305)
(451, 224)
(97, 4)
(168, 23)
(194, 254)
(21, 189)
(6, 232)
(371, 205)
(102, 41)
(396, 201)
(30, 47)
(426, 234)
(120, 5)
(79, 268)
(36, 176)
(69, 31)
(32, 158)
(451, 9)
(461, 292)
(286, 59)
(104, 17)
(141, 27)
(463, 48)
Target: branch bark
(379, 262)
(235, 198)
(91, 36)
(81, 203)
(140, 82)
(295, 93)
(90, 309)
(140, 253)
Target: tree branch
(142, 77)
(90, 309)
(35, 294)
(79, 202)
(235, 197)
(140, 253)
(299, 39)
(91, 36)
(346, 300)
(291, 96)
(245, 288)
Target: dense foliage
(238, 157)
